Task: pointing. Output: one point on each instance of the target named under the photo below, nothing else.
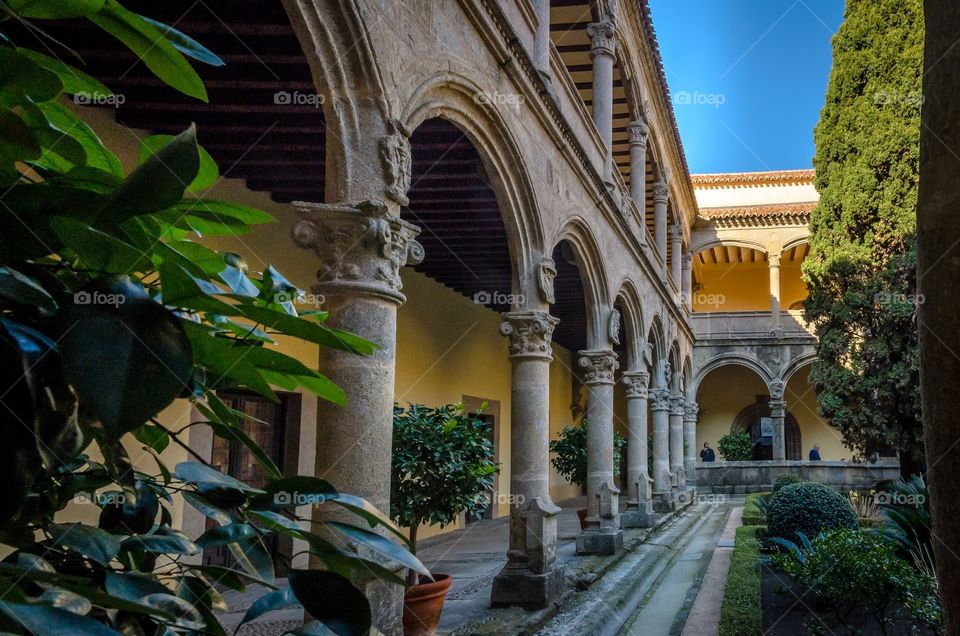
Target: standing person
(815, 453)
(707, 455)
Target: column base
(638, 518)
(526, 589)
(600, 541)
(664, 502)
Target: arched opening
(793, 289)
(723, 394)
(756, 420)
(731, 277)
(801, 401)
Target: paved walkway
(704, 618)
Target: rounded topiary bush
(808, 508)
(787, 479)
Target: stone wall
(743, 477)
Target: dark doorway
(755, 419)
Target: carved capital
(778, 409)
(598, 366)
(661, 192)
(638, 131)
(603, 39)
(530, 333)
(690, 411)
(546, 273)
(637, 383)
(361, 248)
(777, 388)
(676, 405)
(675, 232)
(659, 399)
(396, 161)
(774, 260)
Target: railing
(749, 324)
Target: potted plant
(443, 464)
(570, 457)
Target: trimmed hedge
(787, 479)
(741, 613)
(808, 508)
(753, 514)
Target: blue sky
(747, 78)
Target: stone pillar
(361, 250)
(690, 410)
(603, 44)
(775, 292)
(541, 41)
(778, 412)
(676, 254)
(603, 534)
(661, 194)
(530, 578)
(638, 131)
(639, 512)
(678, 478)
(660, 407)
(687, 290)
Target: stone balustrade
(759, 476)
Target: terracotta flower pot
(582, 516)
(422, 605)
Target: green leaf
(180, 289)
(243, 214)
(98, 250)
(150, 45)
(254, 557)
(380, 545)
(74, 81)
(225, 360)
(98, 156)
(229, 577)
(23, 81)
(204, 507)
(207, 173)
(225, 535)
(18, 141)
(308, 330)
(40, 619)
(161, 544)
(133, 586)
(368, 511)
(153, 436)
(55, 9)
(332, 600)
(277, 599)
(204, 476)
(185, 44)
(91, 542)
(60, 151)
(20, 289)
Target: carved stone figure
(613, 326)
(396, 159)
(546, 273)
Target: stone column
(530, 578)
(603, 534)
(603, 45)
(361, 250)
(639, 512)
(661, 194)
(541, 41)
(638, 131)
(660, 407)
(678, 478)
(687, 290)
(778, 412)
(775, 292)
(690, 410)
(676, 254)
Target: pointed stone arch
(631, 307)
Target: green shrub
(808, 508)
(736, 446)
(848, 569)
(741, 613)
(787, 479)
(755, 509)
(570, 453)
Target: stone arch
(451, 96)
(632, 310)
(586, 252)
(688, 379)
(732, 242)
(656, 346)
(800, 240)
(725, 359)
(795, 365)
(675, 382)
(747, 420)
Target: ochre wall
(741, 287)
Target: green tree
(570, 453)
(109, 311)
(862, 266)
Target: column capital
(530, 333)
(676, 405)
(778, 408)
(636, 383)
(661, 192)
(774, 260)
(690, 411)
(659, 399)
(777, 388)
(638, 131)
(362, 247)
(676, 232)
(598, 366)
(603, 38)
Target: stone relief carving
(613, 326)
(676, 405)
(602, 38)
(778, 408)
(396, 159)
(598, 366)
(660, 399)
(648, 355)
(363, 246)
(546, 273)
(776, 389)
(690, 411)
(530, 332)
(636, 383)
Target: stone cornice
(760, 215)
(752, 179)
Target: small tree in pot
(443, 464)
(570, 456)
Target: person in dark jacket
(815, 453)
(707, 455)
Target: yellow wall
(802, 404)
(792, 287)
(740, 287)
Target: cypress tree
(862, 266)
